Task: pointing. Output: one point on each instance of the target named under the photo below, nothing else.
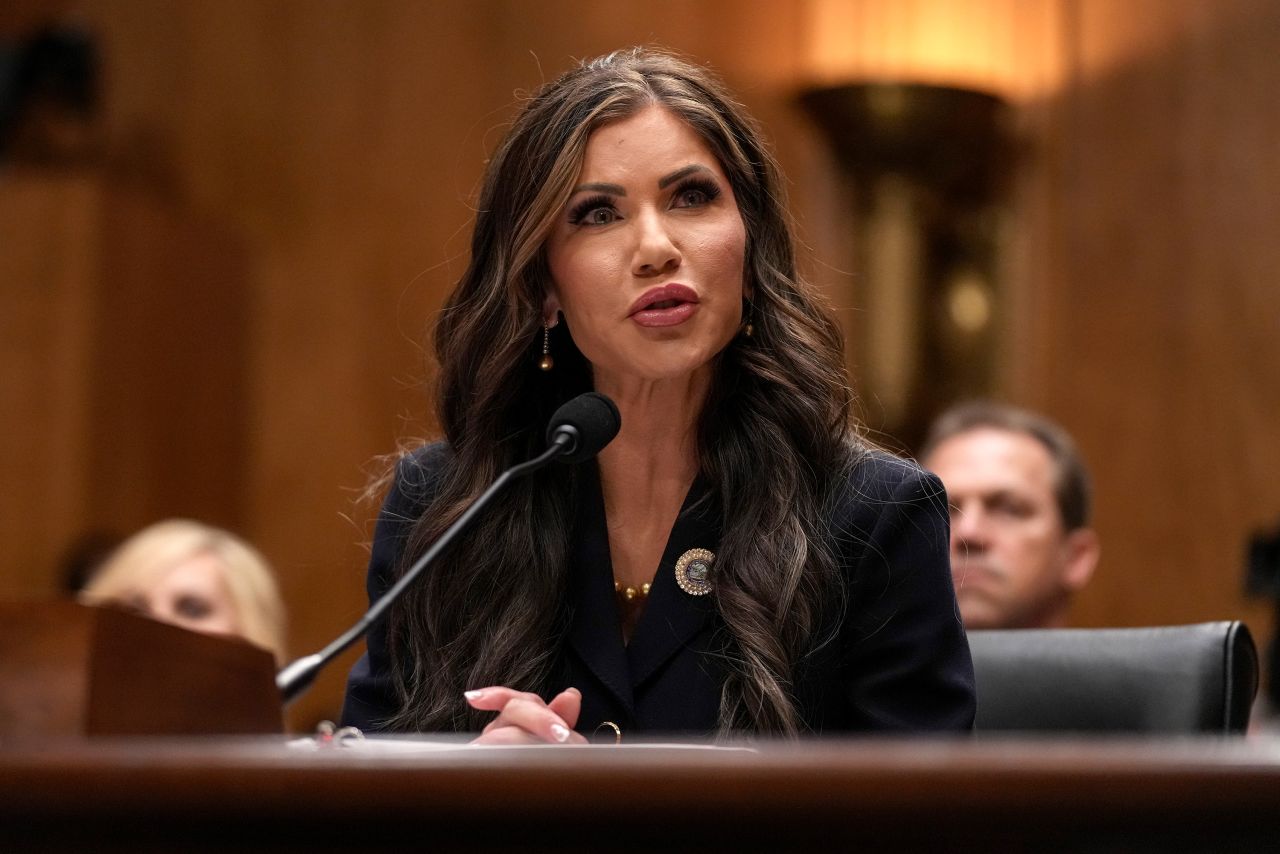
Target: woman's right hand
(524, 718)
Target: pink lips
(668, 305)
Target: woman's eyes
(694, 193)
(600, 216)
(601, 210)
(597, 210)
(193, 607)
(690, 199)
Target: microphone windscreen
(593, 417)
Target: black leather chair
(1170, 679)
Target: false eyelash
(706, 186)
(584, 207)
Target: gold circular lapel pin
(693, 571)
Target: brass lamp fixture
(929, 168)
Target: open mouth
(666, 305)
(669, 305)
(668, 297)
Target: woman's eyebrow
(611, 189)
(663, 182)
(680, 173)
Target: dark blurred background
(225, 225)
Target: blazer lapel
(595, 633)
(671, 617)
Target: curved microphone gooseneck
(577, 432)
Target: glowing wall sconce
(929, 166)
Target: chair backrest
(1167, 679)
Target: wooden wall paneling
(48, 269)
(169, 419)
(1116, 335)
(1031, 267)
(1146, 327)
(1229, 151)
(376, 107)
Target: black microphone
(578, 431)
(589, 421)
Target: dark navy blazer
(896, 659)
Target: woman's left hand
(523, 718)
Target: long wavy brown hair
(775, 437)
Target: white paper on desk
(409, 746)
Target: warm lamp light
(1003, 47)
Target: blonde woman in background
(195, 576)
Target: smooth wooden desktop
(856, 795)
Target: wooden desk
(863, 795)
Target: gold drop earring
(546, 363)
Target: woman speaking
(738, 559)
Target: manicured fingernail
(473, 695)
(560, 732)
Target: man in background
(1021, 545)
